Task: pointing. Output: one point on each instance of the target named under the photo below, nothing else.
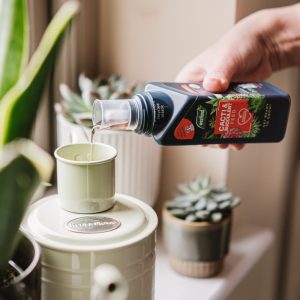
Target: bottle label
(185, 130)
(92, 224)
(247, 111)
(233, 118)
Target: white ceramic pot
(119, 244)
(138, 161)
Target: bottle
(186, 114)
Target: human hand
(256, 46)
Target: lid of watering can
(129, 221)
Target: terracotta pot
(196, 249)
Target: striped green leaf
(14, 43)
(19, 105)
(22, 167)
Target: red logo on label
(185, 130)
(233, 116)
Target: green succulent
(200, 201)
(77, 107)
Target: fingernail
(237, 147)
(215, 84)
(223, 146)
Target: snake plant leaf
(22, 167)
(19, 105)
(14, 42)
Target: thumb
(218, 76)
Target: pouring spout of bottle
(120, 114)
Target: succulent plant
(200, 201)
(77, 107)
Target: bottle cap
(119, 114)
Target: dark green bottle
(186, 114)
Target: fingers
(225, 146)
(214, 84)
(219, 74)
(215, 67)
(237, 146)
(190, 74)
(215, 78)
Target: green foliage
(214, 102)
(256, 102)
(14, 42)
(255, 128)
(22, 164)
(77, 107)
(19, 105)
(200, 201)
(212, 122)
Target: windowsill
(249, 246)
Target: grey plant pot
(196, 249)
(27, 284)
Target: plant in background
(22, 164)
(77, 107)
(197, 227)
(199, 201)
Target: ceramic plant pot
(138, 161)
(25, 266)
(196, 249)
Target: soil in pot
(23, 276)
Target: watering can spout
(109, 284)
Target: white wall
(261, 173)
(151, 40)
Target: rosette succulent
(200, 201)
(77, 107)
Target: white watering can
(95, 244)
(109, 284)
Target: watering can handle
(109, 284)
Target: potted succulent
(197, 227)
(23, 165)
(135, 175)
